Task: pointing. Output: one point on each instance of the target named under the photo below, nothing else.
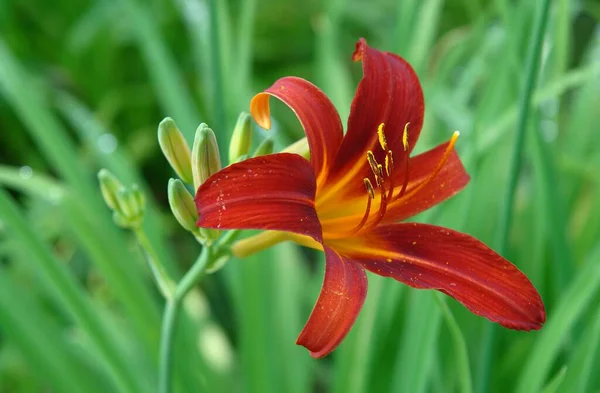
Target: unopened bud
(299, 147)
(241, 138)
(206, 159)
(131, 206)
(182, 205)
(265, 147)
(175, 149)
(138, 198)
(109, 186)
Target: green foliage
(83, 86)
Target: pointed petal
(315, 111)
(389, 93)
(431, 257)
(342, 296)
(418, 196)
(268, 192)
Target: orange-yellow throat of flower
(380, 193)
(348, 213)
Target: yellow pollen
(389, 163)
(382, 140)
(372, 162)
(380, 171)
(405, 137)
(369, 187)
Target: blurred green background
(84, 84)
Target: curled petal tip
(260, 110)
(358, 51)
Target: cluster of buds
(126, 203)
(195, 166)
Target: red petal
(449, 181)
(315, 111)
(268, 192)
(427, 256)
(389, 93)
(342, 296)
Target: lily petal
(431, 257)
(389, 93)
(269, 192)
(316, 113)
(341, 299)
(420, 196)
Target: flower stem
(173, 306)
(165, 283)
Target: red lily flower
(348, 199)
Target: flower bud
(182, 205)
(206, 159)
(241, 138)
(265, 147)
(175, 149)
(130, 203)
(138, 198)
(109, 186)
(299, 147)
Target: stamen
(363, 221)
(405, 137)
(372, 162)
(389, 168)
(382, 208)
(439, 166)
(382, 140)
(406, 175)
(380, 173)
(389, 163)
(369, 187)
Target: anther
(382, 140)
(405, 137)
(369, 187)
(380, 171)
(372, 162)
(389, 163)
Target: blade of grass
(45, 350)
(581, 363)
(67, 291)
(416, 353)
(171, 91)
(353, 357)
(556, 381)
(290, 274)
(460, 345)
(114, 262)
(90, 130)
(571, 306)
(532, 70)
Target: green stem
(165, 283)
(172, 308)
